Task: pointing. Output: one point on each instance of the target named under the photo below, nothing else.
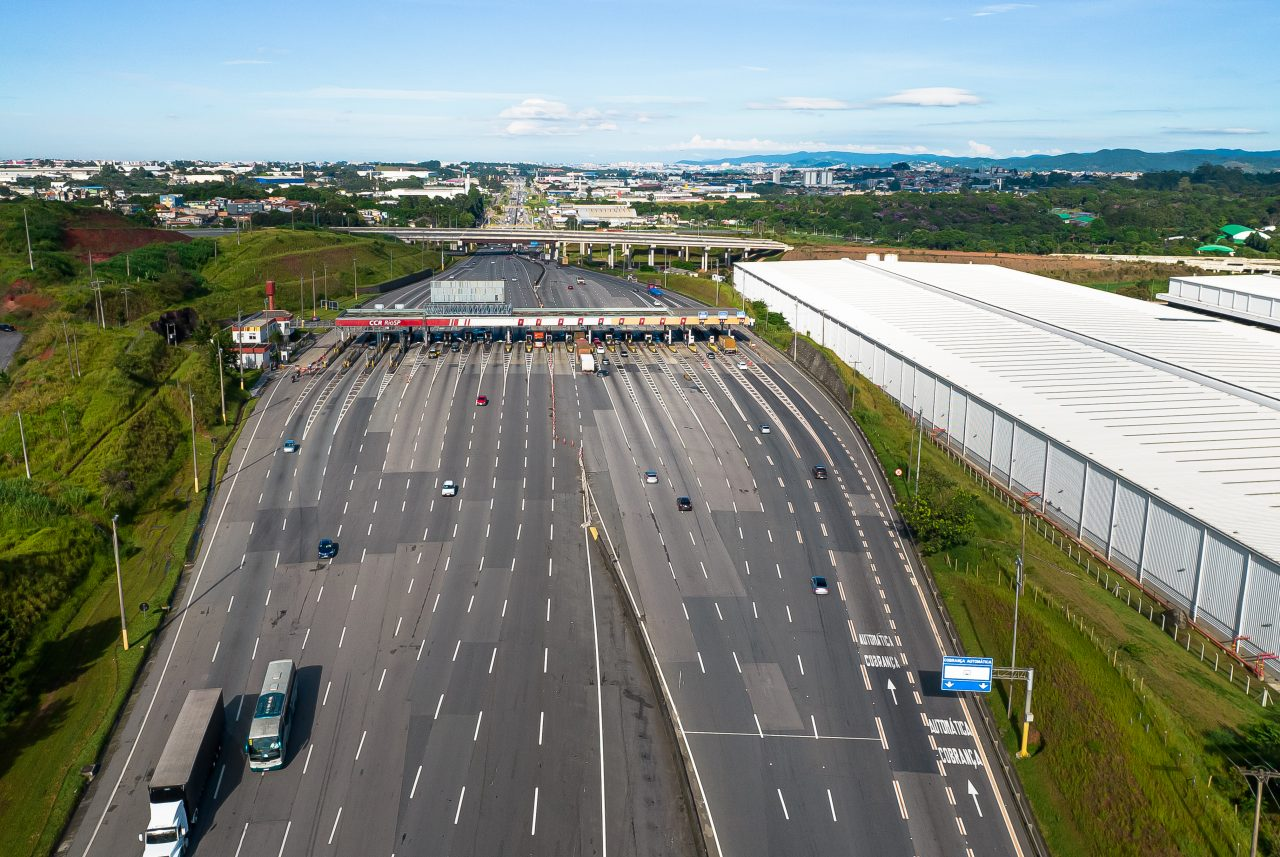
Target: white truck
(179, 778)
(587, 362)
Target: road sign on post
(961, 673)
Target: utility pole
(240, 350)
(326, 285)
(313, 293)
(195, 466)
(75, 345)
(115, 546)
(1262, 775)
(96, 285)
(23, 434)
(355, 279)
(66, 337)
(125, 291)
(919, 449)
(31, 259)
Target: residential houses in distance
(173, 210)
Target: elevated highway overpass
(559, 240)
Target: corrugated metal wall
(1215, 578)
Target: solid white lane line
(831, 803)
(493, 657)
(542, 716)
(801, 663)
(463, 794)
(382, 679)
(439, 703)
(533, 830)
(216, 646)
(361, 745)
(255, 649)
(327, 688)
(335, 826)
(242, 835)
(413, 791)
(287, 827)
(307, 763)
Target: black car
(819, 471)
(684, 504)
(8, 328)
(327, 549)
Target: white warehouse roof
(1249, 297)
(1184, 406)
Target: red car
(481, 401)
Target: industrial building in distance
(1150, 433)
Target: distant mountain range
(1104, 160)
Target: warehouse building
(1254, 298)
(1150, 433)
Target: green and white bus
(268, 742)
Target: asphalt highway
(468, 683)
(815, 721)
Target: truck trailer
(586, 358)
(179, 778)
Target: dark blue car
(328, 549)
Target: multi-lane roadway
(468, 681)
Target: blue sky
(646, 81)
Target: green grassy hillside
(106, 417)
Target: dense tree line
(1164, 212)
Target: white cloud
(537, 108)
(246, 62)
(980, 150)
(541, 117)
(699, 143)
(341, 92)
(1231, 132)
(755, 68)
(802, 102)
(1000, 8)
(931, 96)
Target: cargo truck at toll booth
(586, 359)
(179, 778)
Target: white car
(764, 429)
(742, 365)
(449, 488)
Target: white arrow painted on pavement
(973, 793)
(894, 691)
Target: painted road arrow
(973, 793)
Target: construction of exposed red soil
(104, 234)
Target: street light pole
(115, 547)
(222, 390)
(1017, 595)
(195, 466)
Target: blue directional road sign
(960, 673)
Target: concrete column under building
(611, 259)
(582, 249)
(626, 256)
(651, 256)
(706, 260)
